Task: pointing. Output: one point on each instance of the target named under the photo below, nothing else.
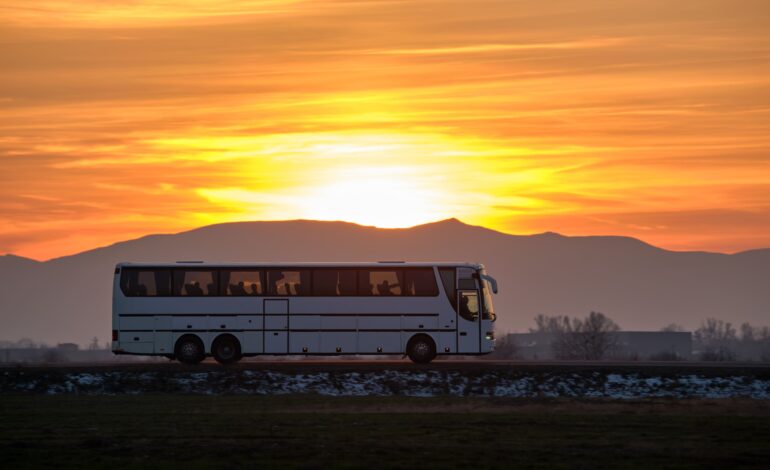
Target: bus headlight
(490, 335)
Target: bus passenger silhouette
(385, 287)
(197, 289)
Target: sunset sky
(642, 118)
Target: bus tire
(189, 350)
(226, 349)
(421, 349)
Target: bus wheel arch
(421, 348)
(189, 349)
(226, 349)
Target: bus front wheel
(189, 350)
(421, 349)
(226, 349)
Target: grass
(394, 432)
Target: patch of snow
(396, 382)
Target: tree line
(595, 337)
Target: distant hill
(636, 284)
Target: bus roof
(261, 264)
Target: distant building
(652, 345)
(633, 345)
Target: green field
(319, 432)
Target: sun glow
(382, 197)
(384, 180)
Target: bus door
(276, 326)
(468, 313)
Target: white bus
(191, 310)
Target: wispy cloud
(483, 48)
(110, 14)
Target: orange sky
(643, 118)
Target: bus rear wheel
(226, 349)
(421, 349)
(189, 350)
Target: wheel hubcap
(421, 349)
(189, 350)
(226, 351)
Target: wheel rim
(189, 349)
(421, 349)
(226, 351)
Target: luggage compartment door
(276, 326)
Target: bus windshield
(489, 310)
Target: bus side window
(421, 282)
(347, 282)
(145, 282)
(448, 280)
(288, 282)
(384, 282)
(161, 281)
(129, 281)
(196, 282)
(325, 281)
(334, 282)
(239, 283)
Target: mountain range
(640, 286)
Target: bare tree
(747, 332)
(25, 343)
(551, 324)
(591, 338)
(716, 340)
(555, 330)
(754, 333)
(762, 336)
(754, 342)
(94, 344)
(596, 335)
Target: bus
(190, 310)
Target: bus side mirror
(492, 282)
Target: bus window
(325, 281)
(420, 282)
(380, 282)
(488, 312)
(288, 282)
(195, 282)
(241, 282)
(348, 282)
(334, 282)
(448, 280)
(145, 282)
(469, 305)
